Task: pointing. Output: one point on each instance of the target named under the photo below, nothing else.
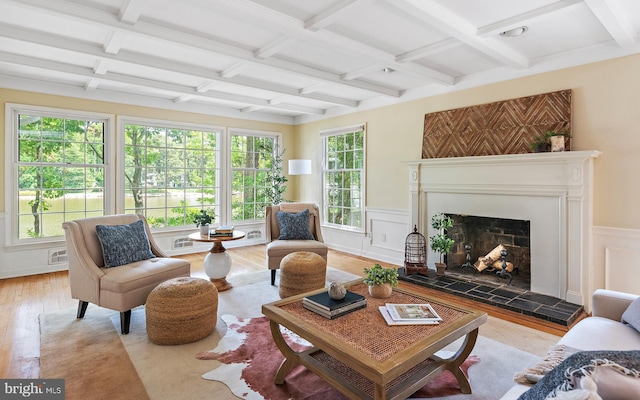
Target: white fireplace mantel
(552, 190)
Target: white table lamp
(299, 167)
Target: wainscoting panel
(383, 240)
(617, 259)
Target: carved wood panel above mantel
(505, 127)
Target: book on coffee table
(338, 312)
(323, 301)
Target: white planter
(557, 143)
(204, 230)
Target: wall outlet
(383, 238)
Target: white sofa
(602, 331)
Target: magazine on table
(412, 312)
(390, 321)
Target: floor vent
(182, 242)
(57, 256)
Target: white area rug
(173, 372)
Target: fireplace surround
(551, 190)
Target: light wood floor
(23, 299)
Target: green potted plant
(381, 280)
(202, 220)
(440, 242)
(545, 141)
(278, 181)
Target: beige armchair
(277, 249)
(119, 288)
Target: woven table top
(366, 330)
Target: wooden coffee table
(363, 357)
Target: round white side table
(217, 263)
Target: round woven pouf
(181, 310)
(301, 272)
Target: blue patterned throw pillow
(294, 226)
(124, 244)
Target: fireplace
(553, 191)
(477, 236)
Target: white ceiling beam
(270, 49)
(250, 109)
(101, 67)
(206, 86)
(84, 12)
(311, 88)
(613, 20)
(360, 72)
(521, 19)
(453, 25)
(333, 13)
(104, 60)
(91, 85)
(148, 83)
(115, 42)
(132, 9)
(233, 70)
(428, 50)
(183, 98)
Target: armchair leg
(273, 277)
(125, 322)
(82, 308)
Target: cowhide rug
(250, 360)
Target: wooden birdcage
(415, 253)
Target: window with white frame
(252, 168)
(61, 166)
(343, 176)
(171, 172)
(59, 169)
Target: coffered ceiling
(294, 61)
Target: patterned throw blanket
(591, 375)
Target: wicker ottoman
(301, 272)
(181, 310)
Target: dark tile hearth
(501, 295)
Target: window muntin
(252, 156)
(343, 177)
(171, 173)
(60, 170)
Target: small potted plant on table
(202, 220)
(381, 281)
(440, 242)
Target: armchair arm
(610, 304)
(84, 274)
(155, 249)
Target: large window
(61, 165)
(252, 160)
(171, 173)
(59, 169)
(343, 177)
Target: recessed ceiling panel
(559, 32)
(389, 29)
(485, 12)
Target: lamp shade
(299, 167)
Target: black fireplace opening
(478, 236)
